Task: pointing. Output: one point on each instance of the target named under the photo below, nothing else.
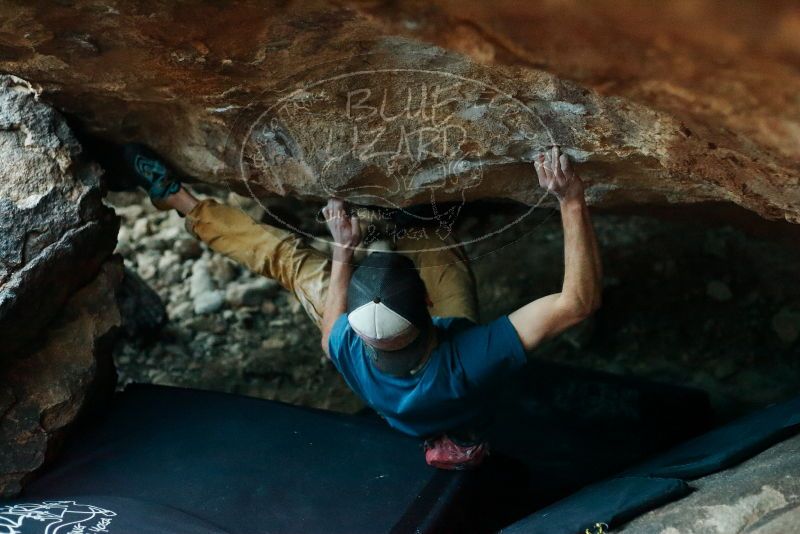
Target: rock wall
(679, 103)
(58, 311)
(45, 391)
(54, 230)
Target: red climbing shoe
(444, 453)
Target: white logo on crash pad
(54, 517)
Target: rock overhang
(193, 84)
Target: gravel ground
(228, 329)
(684, 303)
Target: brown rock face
(678, 103)
(55, 237)
(54, 230)
(45, 391)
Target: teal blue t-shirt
(452, 390)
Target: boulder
(54, 230)
(58, 313)
(401, 103)
(143, 313)
(72, 371)
(762, 496)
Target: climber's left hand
(557, 176)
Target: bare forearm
(336, 302)
(346, 234)
(548, 316)
(582, 268)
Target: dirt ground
(685, 302)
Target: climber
(402, 326)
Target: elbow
(324, 345)
(582, 309)
(597, 301)
(591, 307)
(581, 315)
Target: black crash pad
(168, 460)
(662, 479)
(601, 505)
(727, 445)
(193, 461)
(566, 428)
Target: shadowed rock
(55, 237)
(54, 230)
(143, 313)
(41, 394)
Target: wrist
(573, 197)
(342, 253)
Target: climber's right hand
(344, 228)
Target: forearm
(580, 294)
(582, 268)
(336, 302)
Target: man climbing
(402, 326)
